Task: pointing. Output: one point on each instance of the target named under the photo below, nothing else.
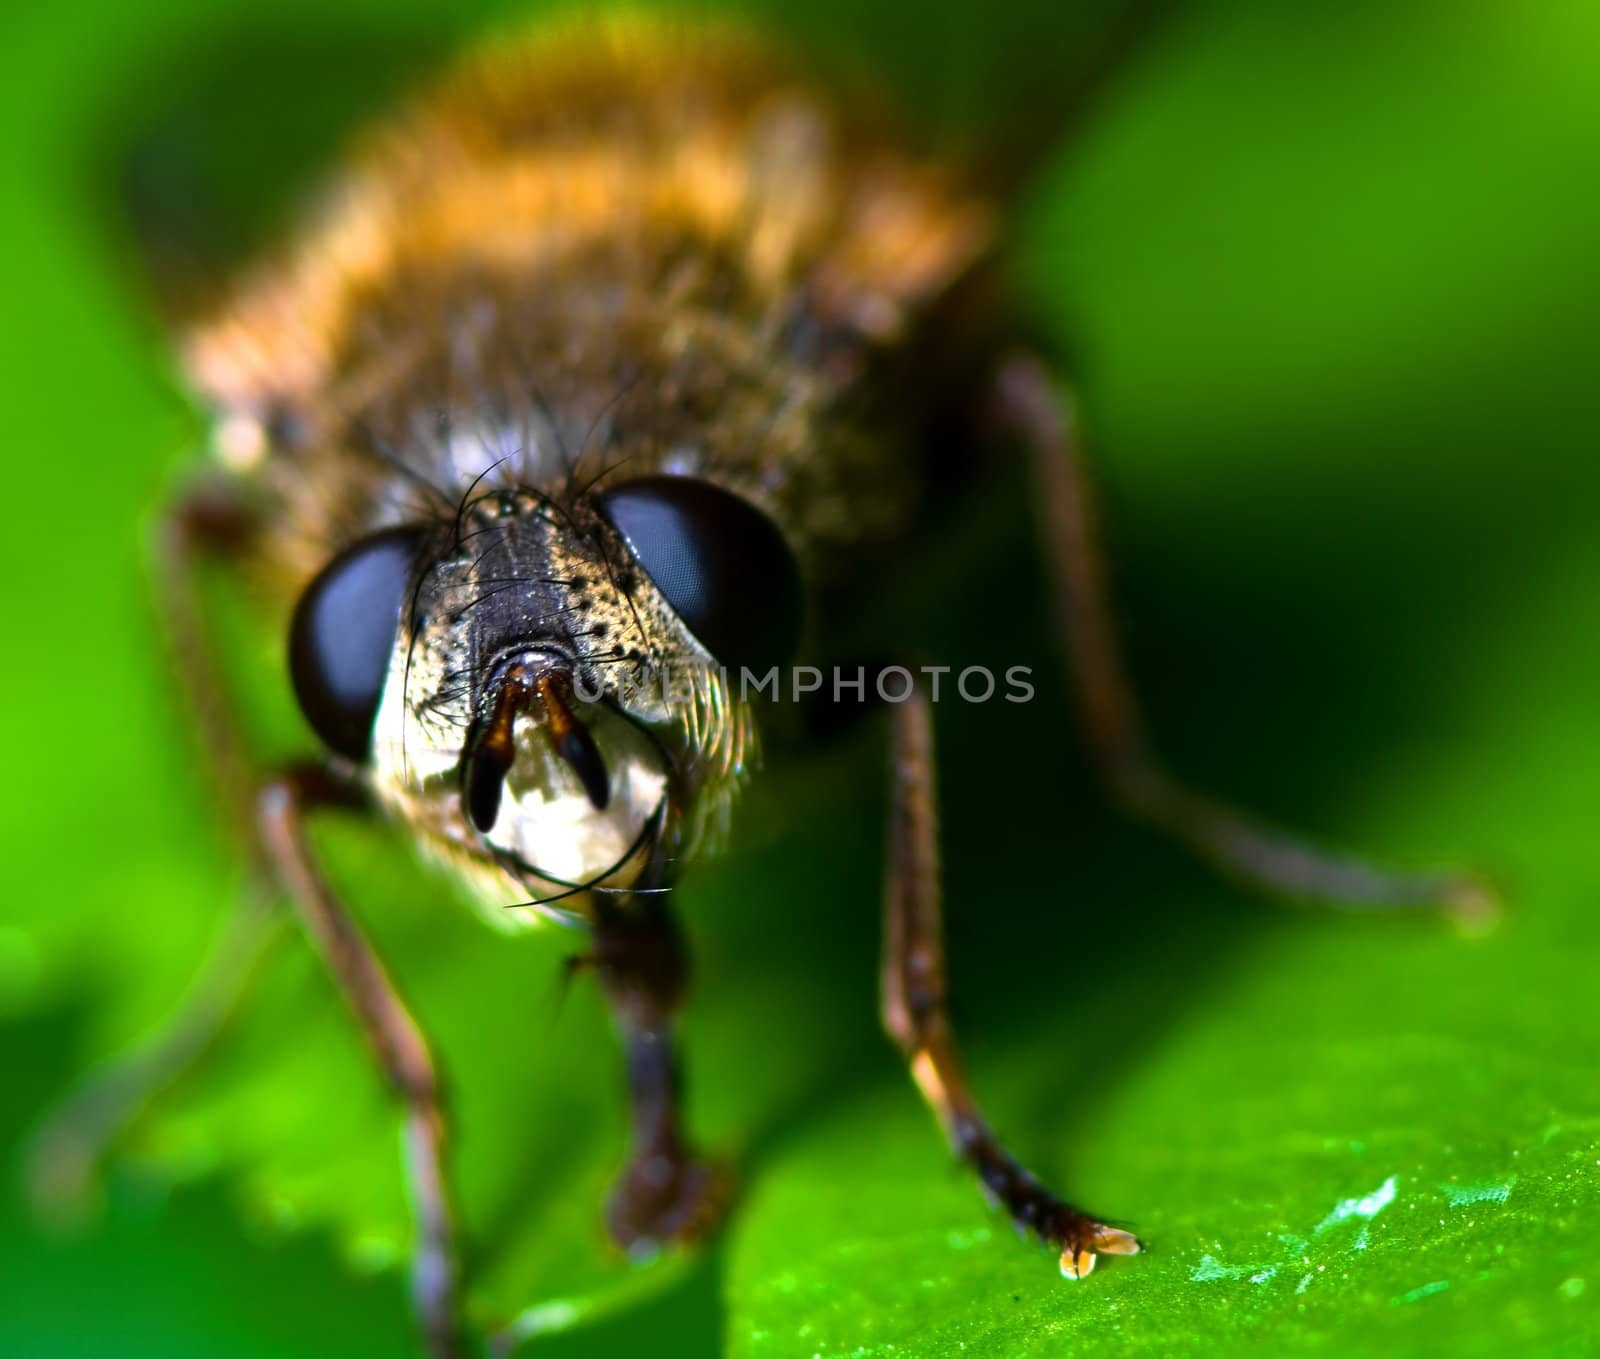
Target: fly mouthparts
(573, 741)
(534, 681)
(483, 775)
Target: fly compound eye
(343, 634)
(719, 562)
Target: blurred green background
(1327, 277)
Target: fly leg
(396, 1041)
(211, 521)
(665, 1195)
(917, 1017)
(1234, 841)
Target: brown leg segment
(664, 1195)
(916, 1011)
(210, 521)
(396, 1041)
(1237, 843)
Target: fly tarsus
(1077, 1237)
(666, 1197)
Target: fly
(614, 361)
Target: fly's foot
(1082, 1240)
(666, 1200)
(1079, 1238)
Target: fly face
(533, 684)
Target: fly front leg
(917, 1016)
(393, 1035)
(1263, 856)
(665, 1195)
(212, 521)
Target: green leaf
(1329, 277)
